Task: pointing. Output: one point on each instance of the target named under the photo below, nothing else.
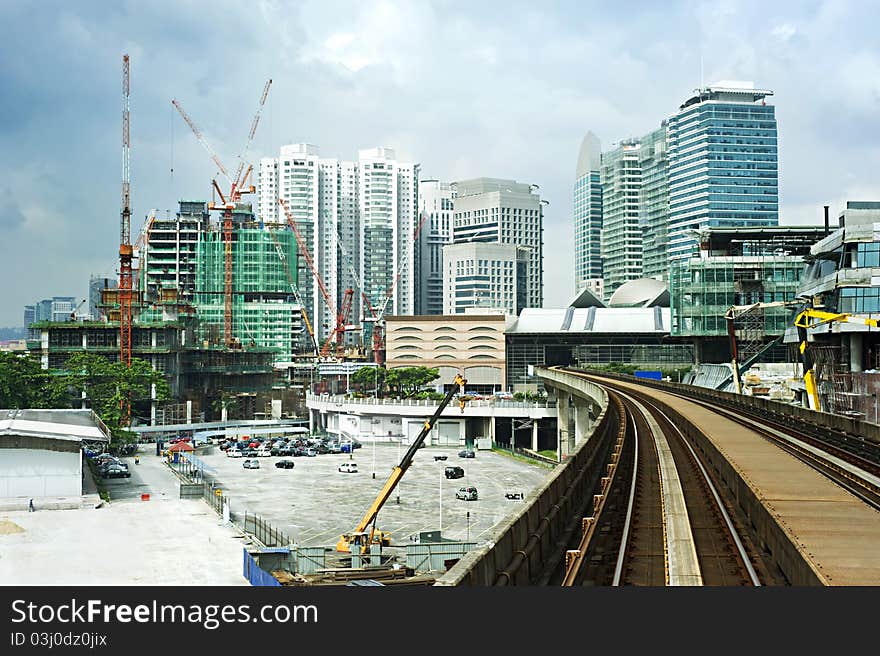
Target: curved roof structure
(645, 292)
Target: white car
(264, 452)
(349, 468)
(234, 453)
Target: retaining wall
(524, 545)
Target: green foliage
(368, 377)
(530, 397)
(406, 382)
(107, 384)
(24, 384)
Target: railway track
(659, 519)
(852, 463)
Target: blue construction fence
(255, 575)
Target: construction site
(211, 297)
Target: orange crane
(125, 248)
(294, 289)
(338, 333)
(237, 187)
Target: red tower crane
(125, 248)
(338, 333)
(237, 187)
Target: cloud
(11, 216)
(465, 89)
(784, 31)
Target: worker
(137, 460)
(31, 506)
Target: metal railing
(481, 403)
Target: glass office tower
(723, 164)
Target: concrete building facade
(485, 276)
(468, 344)
(494, 210)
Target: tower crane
(237, 187)
(125, 248)
(342, 313)
(294, 290)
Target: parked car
(466, 453)
(234, 452)
(440, 457)
(454, 472)
(107, 462)
(285, 464)
(264, 452)
(467, 493)
(251, 463)
(311, 453)
(114, 471)
(348, 468)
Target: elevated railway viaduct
(667, 484)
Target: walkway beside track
(832, 531)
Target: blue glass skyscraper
(723, 163)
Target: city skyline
(508, 96)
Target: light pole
(399, 438)
(441, 504)
(468, 526)
(374, 455)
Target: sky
(465, 89)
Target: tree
(370, 378)
(107, 384)
(25, 384)
(407, 381)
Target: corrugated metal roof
(71, 425)
(593, 320)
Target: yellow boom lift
(811, 318)
(361, 538)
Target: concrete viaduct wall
(524, 546)
(787, 555)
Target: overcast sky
(466, 89)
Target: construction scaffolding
(265, 310)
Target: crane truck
(365, 533)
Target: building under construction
(738, 267)
(265, 310)
(184, 258)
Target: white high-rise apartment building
(435, 218)
(503, 212)
(267, 191)
(358, 220)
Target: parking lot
(314, 503)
